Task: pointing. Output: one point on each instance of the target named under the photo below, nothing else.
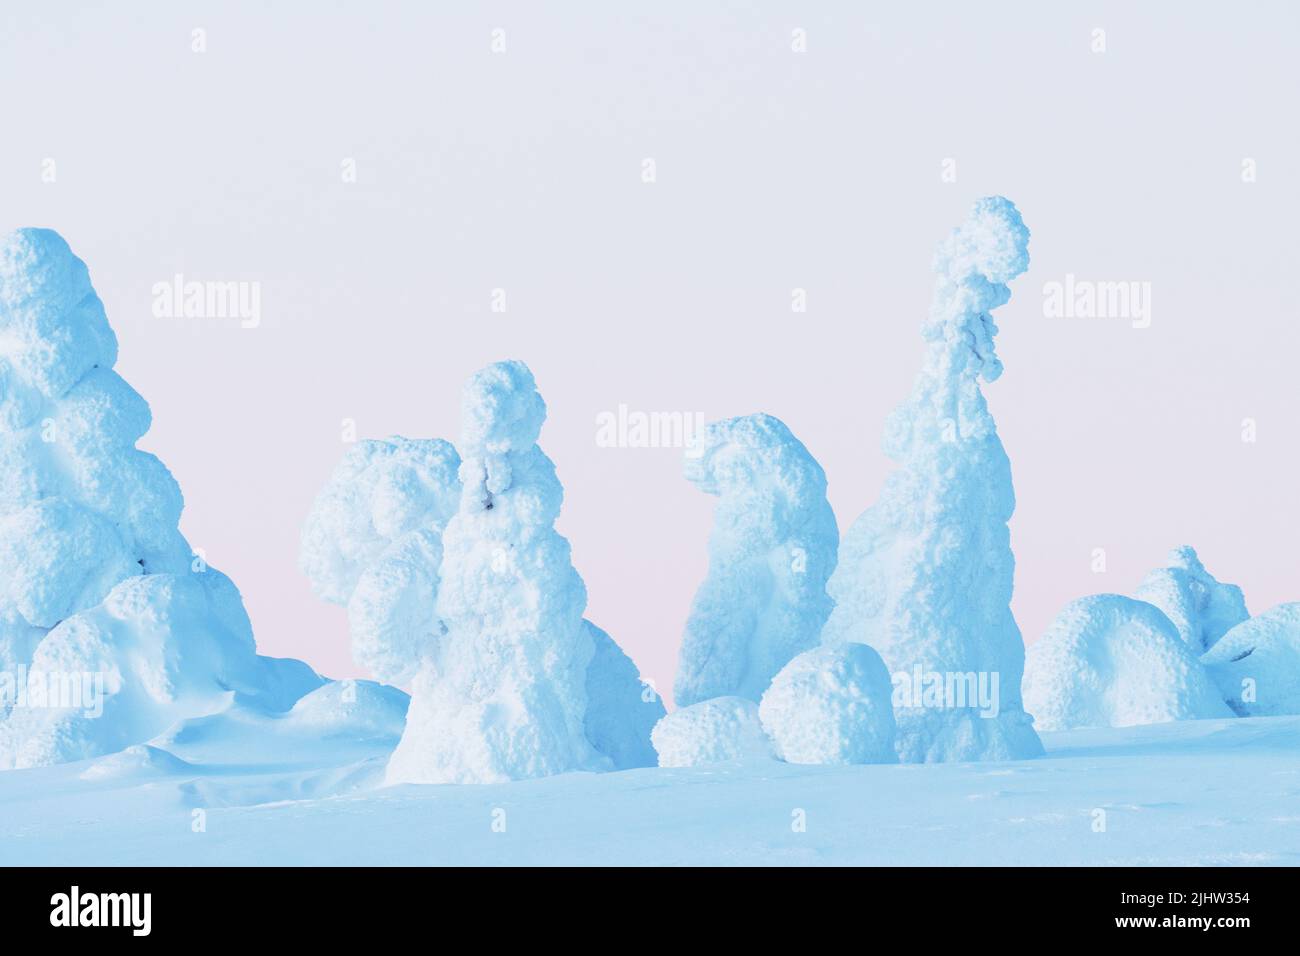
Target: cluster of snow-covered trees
(895, 643)
(456, 581)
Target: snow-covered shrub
(1257, 664)
(103, 606)
(1110, 661)
(925, 575)
(770, 554)
(722, 728)
(831, 705)
(373, 542)
(1201, 608)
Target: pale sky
(522, 170)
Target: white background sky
(522, 170)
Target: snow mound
(925, 575)
(770, 554)
(723, 728)
(1110, 661)
(831, 705)
(138, 760)
(502, 695)
(1202, 608)
(1257, 664)
(621, 708)
(160, 648)
(355, 709)
(111, 628)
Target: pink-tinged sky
(776, 170)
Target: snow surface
(1202, 608)
(770, 554)
(925, 575)
(832, 705)
(1257, 664)
(1214, 792)
(712, 731)
(1110, 661)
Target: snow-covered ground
(1196, 792)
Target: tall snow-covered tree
(925, 575)
(98, 585)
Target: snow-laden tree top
(972, 268)
(52, 325)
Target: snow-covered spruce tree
(925, 575)
(770, 554)
(103, 605)
(1110, 661)
(505, 691)
(373, 542)
(1201, 607)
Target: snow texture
(1110, 661)
(712, 731)
(1194, 793)
(110, 627)
(770, 554)
(831, 705)
(925, 575)
(373, 542)
(502, 695)
(1257, 664)
(1202, 608)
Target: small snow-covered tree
(925, 575)
(1201, 607)
(98, 585)
(373, 542)
(1110, 661)
(770, 554)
